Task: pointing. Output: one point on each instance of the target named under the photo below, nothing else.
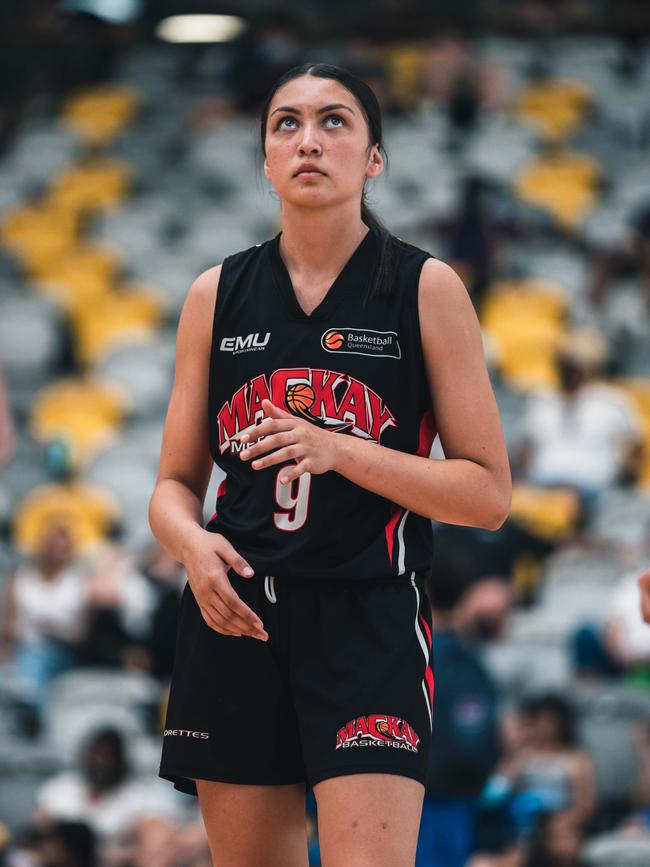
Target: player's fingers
(291, 473)
(235, 620)
(288, 453)
(232, 558)
(266, 427)
(217, 625)
(239, 609)
(274, 441)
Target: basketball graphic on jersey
(300, 397)
(333, 340)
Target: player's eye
(279, 126)
(291, 118)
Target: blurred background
(518, 136)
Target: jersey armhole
(417, 332)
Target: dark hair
(382, 281)
(113, 738)
(78, 839)
(450, 577)
(558, 706)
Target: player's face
(335, 140)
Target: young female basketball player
(316, 368)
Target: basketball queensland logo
(378, 730)
(329, 399)
(361, 341)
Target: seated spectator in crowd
(138, 822)
(465, 744)
(167, 579)
(557, 840)
(620, 645)
(68, 844)
(118, 607)
(643, 582)
(547, 769)
(638, 822)
(40, 619)
(631, 259)
(587, 435)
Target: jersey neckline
(352, 278)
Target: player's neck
(320, 241)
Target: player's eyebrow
(330, 107)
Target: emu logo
(249, 343)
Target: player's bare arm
(176, 506)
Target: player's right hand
(207, 563)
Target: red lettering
(341, 736)
(381, 416)
(323, 382)
(258, 391)
(361, 726)
(232, 417)
(354, 402)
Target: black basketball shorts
(343, 685)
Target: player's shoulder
(206, 284)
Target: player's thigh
(254, 826)
(368, 820)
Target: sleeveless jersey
(350, 369)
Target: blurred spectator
(167, 579)
(484, 609)
(131, 816)
(119, 603)
(556, 842)
(40, 619)
(546, 768)
(68, 844)
(454, 79)
(586, 435)
(618, 646)
(643, 582)
(7, 428)
(469, 239)
(465, 744)
(632, 259)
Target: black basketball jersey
(351, 369)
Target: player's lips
(308, 170)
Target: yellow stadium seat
(93, 184)
(564, 184)
(638, 389)
(525, 320)
(98, 114)
(36, 232)
(88, 511)
(85, 413)
(116, 319)
(551, 513)
(555, 106)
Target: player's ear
(375, 162)
(266, 168)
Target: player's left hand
(292, 438)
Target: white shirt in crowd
(579, 440)
(48, 607)
(66, 796)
